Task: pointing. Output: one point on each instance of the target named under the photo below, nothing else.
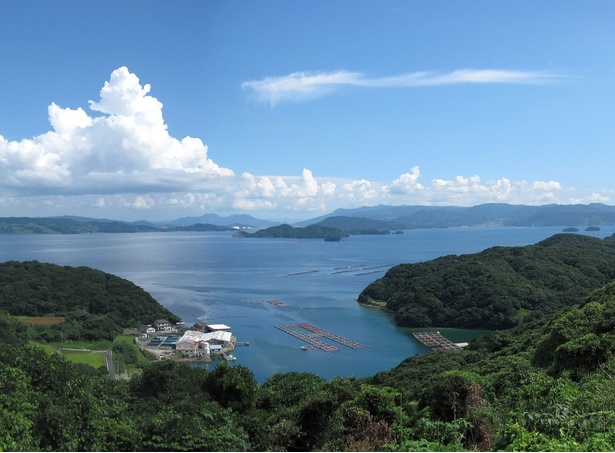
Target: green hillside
(57, 225)
(96, 305)
(496, 288)
(541, 386)
(546, 384)
(358, 225)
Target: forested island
(545, 384)
(287, 231)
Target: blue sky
(288, 110)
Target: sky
(288, 110)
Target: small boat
(305, 348)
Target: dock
(312, 338)
(435, 341)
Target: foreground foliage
(548, 384)
(545, 385)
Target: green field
(126, 339)
(93, 359)
(128, 358)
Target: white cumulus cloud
(127, 148)
(406, 183)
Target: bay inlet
(213, 277)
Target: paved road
(109, 360)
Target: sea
(254, 285)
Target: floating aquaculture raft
(314, 335)
(435, 341)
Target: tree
(232, 386)
(18, 409)
(192, 425)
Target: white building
(195, 341)
(146, 329)
(217, 327)
(162, 324)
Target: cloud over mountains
(120, 158)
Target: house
(181, 327)
(146, 329)
(162, 324)
(186, 345)
(215, 349)
(200, 326)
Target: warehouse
(195, 341)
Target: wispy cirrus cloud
(300, 86)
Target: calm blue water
(220, 279)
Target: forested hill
(287, 231)
(64, 225)
(542, 386)
(57, 225)
(498, 287)
(96, 304)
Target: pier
(312, 338)
(435, 341)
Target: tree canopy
(287, 231)
(498, 287)
(95, 304)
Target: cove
(253, 285)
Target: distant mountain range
(66, 225)
(364, 220)
(237, 220)
(491, 214)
